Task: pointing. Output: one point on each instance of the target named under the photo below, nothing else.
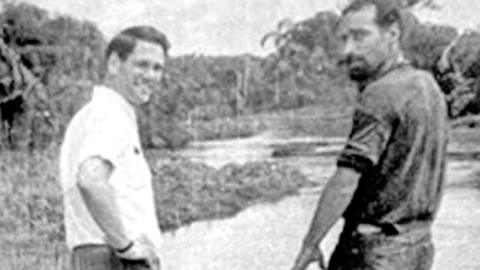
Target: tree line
(50, 63)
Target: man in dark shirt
(389, 177)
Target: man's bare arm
(99, 198)
(335, 198)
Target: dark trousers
(101, 257)
(412, 250)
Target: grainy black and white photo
(240, 135)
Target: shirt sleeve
(371, 129)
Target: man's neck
(387, 66)
(391, 64)
(112, 84)
(117, 86)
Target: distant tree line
(49, 65)
(452, 57)
(60, 59)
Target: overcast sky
(216, 27)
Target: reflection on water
(267, 237)
(219, 153)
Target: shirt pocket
(136, 172)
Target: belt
(88, 246)
(391, 228)
(387, 229)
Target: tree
(424, 44)
(57, 54)
(463, 59)
(20, 28)
(306, 54)
(17, 84)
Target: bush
(187, 191)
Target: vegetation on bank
(31, 213)
(186, 191)
(50, 64)
(31, 217)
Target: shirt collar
(399, 63)
(105, 94)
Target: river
(268, 236)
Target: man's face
(142, 71)
(365, 45)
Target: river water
(268, 236)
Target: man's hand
(141, 251)
(336, 196)
(307, 256)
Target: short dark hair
(124, 43)
(389, 12)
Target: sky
(225, 27)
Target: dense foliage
(453, 58)
(49, 65)
(62, 59)
(59, 58)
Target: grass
(31, 229)
(31, 226)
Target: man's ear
(113, 64)
(393, 32)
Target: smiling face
(140, 73)
(365, 45)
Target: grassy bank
(31, 227)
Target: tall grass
(31, 227)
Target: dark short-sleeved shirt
(398, 144)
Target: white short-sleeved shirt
(107, 127)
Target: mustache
(349, 59)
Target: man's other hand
(307, 256)
(139, 251)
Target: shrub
(187, 191)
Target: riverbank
(186, 191)
(268, 237)
(31, 217)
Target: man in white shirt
(110, 218)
